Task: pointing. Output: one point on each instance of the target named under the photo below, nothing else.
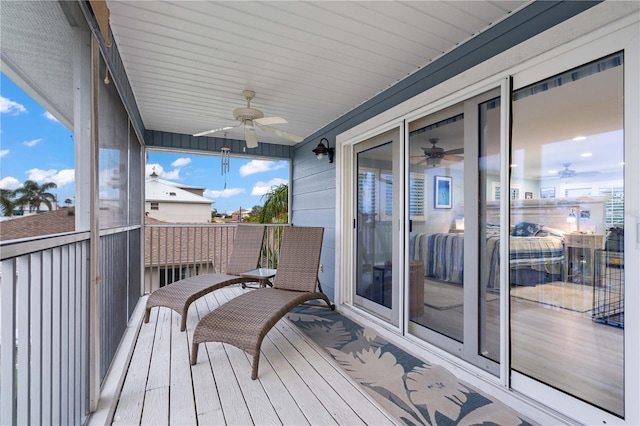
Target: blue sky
(34, 145)
(246, 183)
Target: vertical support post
(7, 343)
(94, 232)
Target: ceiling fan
(567, 173)
(251, 118)
(435, 154)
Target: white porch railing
(44, 338)
(177, 251)
(45, 309)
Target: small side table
(262, 275)
(580, 265)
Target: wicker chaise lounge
(247, 246)
(245, 320)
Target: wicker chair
(245, 320)
(247, 246)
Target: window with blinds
(375, 195)
(416, 197)
(614, 207)
(386, 198)
(367, 192)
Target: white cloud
(49, 116)
(261, 188)
(3, 152)
(109, 179)
(9, 182)
(32, 142)
(162, 174)
(226, 193)
(181, 162)
(60, 178)
(11, 107)
(259, 166)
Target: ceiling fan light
(433, 161)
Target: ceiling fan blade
(452, 157)
(588, 174)
(455, 151)
(250, 137)
(265, 121)
(215, 130)
(281, 133)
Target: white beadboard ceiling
(308, 62)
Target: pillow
(525, 229)
(492, 230)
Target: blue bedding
(443, 256)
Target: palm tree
(7, 202)
(276, 205)
(34, 195)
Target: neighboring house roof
(180, 185)
(171, 245)
(47, 223)
(159, 191)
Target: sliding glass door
(377, 241)
(454, 285)
(499, 225)
(567, 214)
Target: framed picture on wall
(442, 192)
(548, 192)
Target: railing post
(7, 343)
(94, 240)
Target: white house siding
(180, 212)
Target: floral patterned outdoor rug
(410, 389)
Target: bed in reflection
(535, 257)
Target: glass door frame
(593, 48)
(469, 348)
(346, 184)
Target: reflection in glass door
(377, 254)
(567, 274)
(437, 235)
(489, 173)
(454, 284)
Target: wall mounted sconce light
(571, 217)
(322, 150)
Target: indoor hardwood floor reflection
(560, 347)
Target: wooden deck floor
(297, 383)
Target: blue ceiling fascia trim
(211, 145)
(522, 25)
(117, 72)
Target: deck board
(205, 392)
(133, 390)
(341, 383)
(182, 409)
(295, 386)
